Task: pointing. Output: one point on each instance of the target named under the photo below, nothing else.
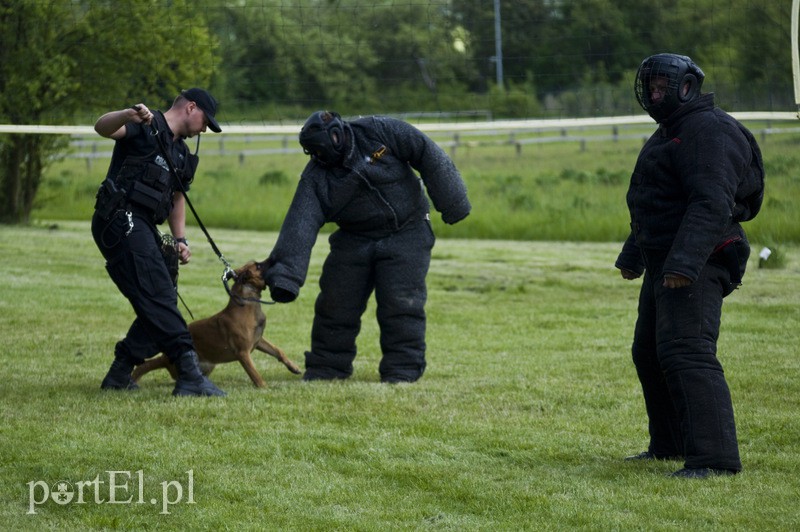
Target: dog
(231, 334)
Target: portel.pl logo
(118, 487)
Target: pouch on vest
(145, 197)
(110, 198)
(149, 187)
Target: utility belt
(141, 186)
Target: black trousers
(674, 350)
(394, 267)
(135, 264)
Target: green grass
(520, 423)
(556, 191)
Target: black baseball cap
(206, 102)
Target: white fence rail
(253, 140)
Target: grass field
(520, 423)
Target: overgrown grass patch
(557, 191)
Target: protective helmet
(679, 71)
(322, 137)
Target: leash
(184, 304)
(169, 251)
(229, 272)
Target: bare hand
(184, 253)
(676, 280)
(143, 114)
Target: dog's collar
(239, 299)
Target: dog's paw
(293, 367)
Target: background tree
(271, 60)
(425, 64)
(57, 58)
(523, 29)
(347, 54)
(31, 83)
(760, 73)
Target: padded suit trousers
(394, 267)
(674, 350)
(135, 264)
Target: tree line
(559, 57)
(271, 60)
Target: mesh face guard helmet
(678, 71)
(322, 137)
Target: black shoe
(191, 381)
(203, 388)
(702, 472)
(647, 455)
(119, 376)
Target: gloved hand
(281, 295)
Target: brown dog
(231, 334)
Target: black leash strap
(185, 305)
(228, 270)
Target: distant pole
(498, 45)
(796, 53)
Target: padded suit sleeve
(442, 179)
(290, 257)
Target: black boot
(191, 380)
(119, 375)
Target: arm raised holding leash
(150, 171)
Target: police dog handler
(697, 177)
(361, 176)
(138, 194)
